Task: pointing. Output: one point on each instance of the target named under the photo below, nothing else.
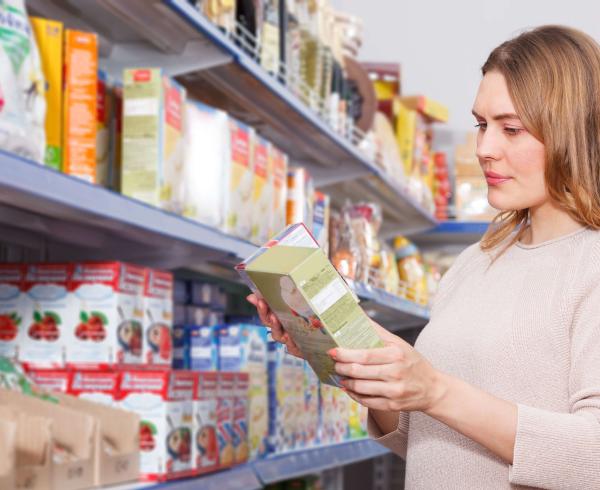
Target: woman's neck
(547, 222)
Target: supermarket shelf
(174, 35)
(41, 206)
(310, 461)
(452, 233)
(393, 312)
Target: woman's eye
(512, 131)
(481, 126)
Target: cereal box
(320, 225)
(225, 434)
(279, 163)
(300, 196)
(108, 301)
(164, 401)
(158, 317)
(244, 348)
(104, 116)
(312, 410)
(12, 303)
(80, 100)
(49, 37)
(238, 220)
(55, 380)
(96, 386)
(240, 418)
(48, 314)
(203, 348)
(205, 449)
(262, 194)
(207, 164)
(116, 160)
(312, 301)
(282, 411)
(152, 160)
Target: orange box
(80, 104)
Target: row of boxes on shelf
(93, 313)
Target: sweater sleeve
(395, 441)
(562, 450)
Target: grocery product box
(406, 125)
(203, 316)
(283, 414)
(244, 348)
(117, 452)
(262, 194)
(152, 138)
(51, 380)
(238, 220)
(225, 419)
(241, 446)
(80, 100)
(74, 435)
(49, 37)
(108, 302)
(279, 164)
(205, 450)
(312, 409)
(8, 450)
(12, 302)
(312, 301)
(104, 118)
(96, 386)
(428, 107)
(49, 314)
(203, 348)
(320, 224)
(158, 318)
(180, 346)
(300, 195)
(207, 163)
(206, 294)
(180, 291)
(164, 401)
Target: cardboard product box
(206, 294)
(203, 348)
(433, 110)
(80, 100)
(320, 224)
(164, 401)
(310, 298)
(152, 159)
(241, 446)
(387, 83)
(49, 37)
(158, 318)
(207, 163)
(12, 304)
(279, 163)
(300, 440)
(342, 415)
(238, 220)
(406, 122)
(74, 438)
(312, 411)
(32, 445)
(300, 195)
(328, 409)
(117, 453)
(225, 434)
(262, 195)
(244, 348)
(205, 450)
(104, 117)
(8, 451)
(51, 380)
(108, 303)
(98, 386)
(282, 411)
(49, 313)
(202, 316)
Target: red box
(225, 433)
(96, 386)
(158, 318)
(205, 448)
(240, 418)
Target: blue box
(242, 346)
(203, 348)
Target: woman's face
(512, 160)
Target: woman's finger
(373, 402)
(367, 387)
(382, 372)
(381, 355)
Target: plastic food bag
(365, 220)
(22, 85)
(343, 248)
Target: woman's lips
(493, 178)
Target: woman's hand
(270, 320)
(391, 378)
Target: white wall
(442, 44)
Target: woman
(502, 389)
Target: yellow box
(49, 37)
(406, 125)
(430, 108)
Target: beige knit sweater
(526, 329)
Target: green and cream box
(313, 303)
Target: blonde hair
(553, 78)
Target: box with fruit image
(108, 300)
(205, 450)
(225, 434)
(312, 301)
(48, 314)
(164, 401)
(158, 318)
(12, 328)
(241, 447)
(244, 348)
